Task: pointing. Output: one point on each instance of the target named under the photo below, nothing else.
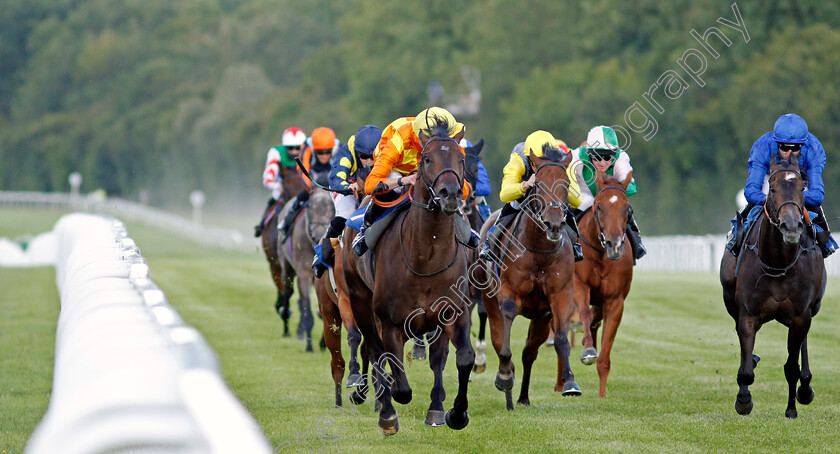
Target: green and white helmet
(602, 138)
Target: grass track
(672, 386)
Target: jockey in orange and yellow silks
(396, 160)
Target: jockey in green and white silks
(602, 153)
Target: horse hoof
(524, 402)
(588, 356)
(435, 418)
(756, 359)
(743, 408)
(401, 396)
(571, 389)
(389, 426)
(504, 384)
(479, 369)
(309, 348)
(357, 398)
(805, 395)
(457, 422)
(790, 413)
(354, 380)
(286, 334)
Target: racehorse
(334, 305)
(778, 275)
(536, 280)
(292, 184)
(406, 285)
(602, 278)
(297, 252)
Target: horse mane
(438, 127)
(552, 153)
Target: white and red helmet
(293, 137)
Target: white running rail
(130, 375)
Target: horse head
(471, 174)
(441, 168)
(550, 197)
(611, 210)
(319, 212)
(292, 182)
(785, 201)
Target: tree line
(175, 96)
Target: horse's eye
(772, 190)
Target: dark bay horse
(602, 278)
(334, 305)
(536, 270)
(470, 210)
(406, 286)
(299, 249)
(292, 185)
(778, 275)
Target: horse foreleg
(394, 339)
(307, 320)
(457, 417)
(437, 362)
(537, 332)
(359, 394)
(505, 377)
(589, 354)
(746, 328)
(612, 318)
(497, 333)
(388, 421)
(332, 336)
(561, 309)
(805, 394)
(796, 337)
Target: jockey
(395, 164)
(482, 186)
(519, 177)
(600, 153)
(282, 154)
(317, 159)
(789, 138)
(351, 165)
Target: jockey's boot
(635, 237)
(735, 237)
(371, 213)
(824, 240)
(327, 251)
(574, 235)
(259, 227)
(289, 221)
(507, 215)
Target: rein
(601, 237)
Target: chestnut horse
(334, 305)
(406, 285)
(602, 278)
(292, 185)
(536, 279)
(778, 275)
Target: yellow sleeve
(574, 187)
(512, 179)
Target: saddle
(379, 225)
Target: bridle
(434, 201)
(549, 204)
(775, 222)
(309, 226)
(601, 237)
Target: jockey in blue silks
(789, 136)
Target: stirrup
(318, 267)
(484, 252)
(359, 244)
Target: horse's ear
(423, 138)
(627, 180)
(459, 136)
(566, 160)
(478, 146)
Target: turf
(672, 386)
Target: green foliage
(174, 96)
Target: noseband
(601, 237)
(434, 201)
(550, 203)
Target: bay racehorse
(778, 275)
(470, 209)
(334, 305)
(405, 284)
(602, 278)
(299, 249)
(536, 270)
(292, 184)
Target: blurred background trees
(175, 96)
